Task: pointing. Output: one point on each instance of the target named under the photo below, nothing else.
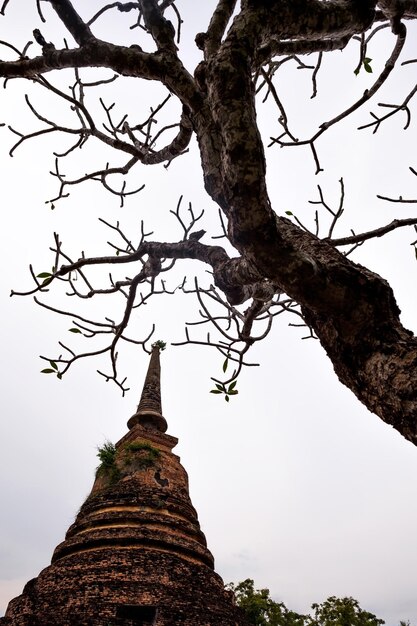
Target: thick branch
(73, 22)
(217, 27)
(125, 61)
(297, 20)
(399, 8)
(160, 28)
(276, 47)
(237, 278)
(352, 310)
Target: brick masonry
(135, 555)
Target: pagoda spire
(149, 411)
(135, 553)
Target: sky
(296, 484)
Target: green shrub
(144, 460)
(108, 468)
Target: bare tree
(274, 264)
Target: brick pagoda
(135, 555)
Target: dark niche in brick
(163, 482)
(139, 615)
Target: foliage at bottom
(261, 610)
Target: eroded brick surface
(135, 555)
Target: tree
(342, 612)
(263, 611)
(260, 609)
(274, 265)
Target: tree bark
(351, 309)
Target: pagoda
(135, 555)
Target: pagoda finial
(149, 411)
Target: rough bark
(352, 310)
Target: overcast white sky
(297, 485)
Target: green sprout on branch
(52, 370)
(221, 388)
(159, 344)
(366, 64)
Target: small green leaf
(59, 375)
(367, 65)
(54, 365)
(356, 72)
(232, 386)
(117, 252)
(215, 391)
(74, 330)
(221, 387)
(233, 392)
(226, 398)
(289, 213)
(44, 275)
(225, 364)
(48, 370)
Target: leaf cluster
(52, 370)
(261, 610)
(227, 389)
(342, 612)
